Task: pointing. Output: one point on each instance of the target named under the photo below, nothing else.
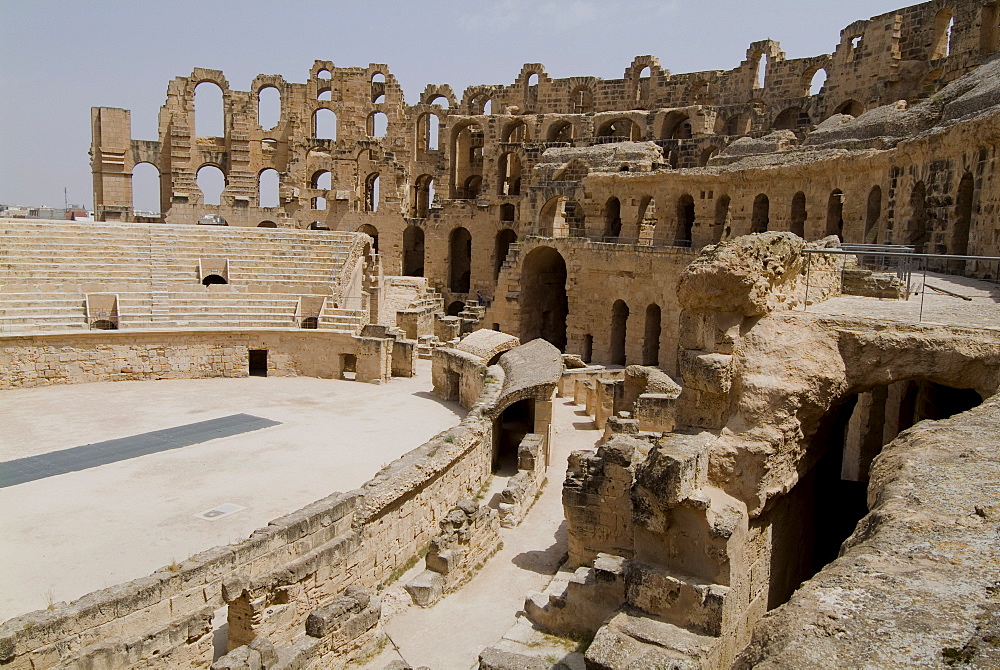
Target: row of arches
(619, 331)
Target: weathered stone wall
(273, 581)
(91, 356)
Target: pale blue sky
(57, 59)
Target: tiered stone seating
(48, 267)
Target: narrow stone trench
(450, 634)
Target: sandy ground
(450, 635)
(64, 536)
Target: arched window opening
(722, 227)
(213, 279)
(843, 446)
(677, 126)
(761, 216)
(268, 107)
(510, 428)
(267, 188)
(371, 231)
(685, 221)
(510, 174)
(963, 216)
(508, 212)
(439, 100)
(378, 124)
(325, 124)
(413, 251)
(835, 215)
(321, 180)
(467, 161)
(209, 114)
(647, 220)
(989, 35)
(552, 218)
(944, 25)
(488, 106)
(544, 303)
(642, 85)
(325, 95)
(531, 91)
(212, 182)
(651, 336)
(582, 100)
(516, 132)
(619, 130)
(873, 213)
(460, 260)
(145, 189)
(817, 82)
(760, 74)
(423, 196)
(799, 214)
(619, 333)
(561, 131)
(612, 219)
(267, 224)
(505, 238)
(428, 127)
(372, 194)
(323, 74)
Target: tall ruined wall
(480, 174)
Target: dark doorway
(651, 336)
(963, 216)
(685, 221)
(214, 279)
(413, 251)
(619, 330)
(835, 215)
(510, 428)
(544, 304)
(460, 246)
(349, 366)
(799, 214)
(258, 362)
(455, 308)
(761, 217)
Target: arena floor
(64, 535)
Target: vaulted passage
(460, 256)
(813, 520)
(619, 332)
(544, 305)
(509, 429)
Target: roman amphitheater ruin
(745, 323)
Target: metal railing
(904, 263)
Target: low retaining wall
(100, 356)
(274, 580)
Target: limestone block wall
(272, 582)
(90, 356)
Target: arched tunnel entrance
(508, 430)
(544, 305)
(812, 521)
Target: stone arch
(612, 218)
(466, 149)
(792, 118)
(423, 196)
(268, 107)
(146, 188)
(372, 232)
(325, 124)
(516, 131)
(761, 215)
(377, 124)
(504, 239)
(459, 260)
(723, 221)
(552, 218)
(651, 335)
(873, 214)
(835, 214)
(621, 128)
(544, 303)
(212, 182)
(814, 81)
(413, 251)
(707, 154)
(428, 131)
(619, 333)
(685, 221)
(851, 108)
(560, 131)
(509, 171)
(267, 188)
(372, 192)
(267, 224)
(209, 110)
(676, 126)
(964, 201)
(799, 214)
(944, 24)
